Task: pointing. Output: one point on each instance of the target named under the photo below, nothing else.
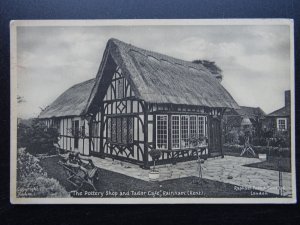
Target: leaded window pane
(124, 130)
(130, 129)
(119, 130)
(109, 129)
(114, 129)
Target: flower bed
(270, 151)
(32, 180)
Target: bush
(32, 180)
(259, 141)
(37, 138)
(235, 137)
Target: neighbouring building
(244, 118)
(279, 121)
(141, 100)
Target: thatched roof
(251, 112)
(158, 78)
(71, 103)
(282, 112)
(234, 117)
(154, 77)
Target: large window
(120, 130)
(183, 130)
(281, 124)
(162, 131)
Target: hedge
(270, 151)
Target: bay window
(183, 129)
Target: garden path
(229, 169)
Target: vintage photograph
(152, 111)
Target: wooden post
(222, 131)
(102, 125)
(90, 123)
(146, 157)
(222, 135)
(209, 134)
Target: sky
(255, 59)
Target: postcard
(152, 111)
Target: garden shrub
(259, 141)
(32, 180)
(235, 136)
(37, 138)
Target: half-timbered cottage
(142, 100)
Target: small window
(281, 124)
(162, 131)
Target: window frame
(167, 129)
(188, 131)
(179, 133)
(278, 123)
(204, 127)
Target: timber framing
(140, 101)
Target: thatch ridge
(70, 103)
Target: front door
(215, 137)
(76, 133)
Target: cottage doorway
(215, 137)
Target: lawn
(113, 184)
(273, 163)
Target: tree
(37, 138)
(210, 65)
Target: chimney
(287, 98)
